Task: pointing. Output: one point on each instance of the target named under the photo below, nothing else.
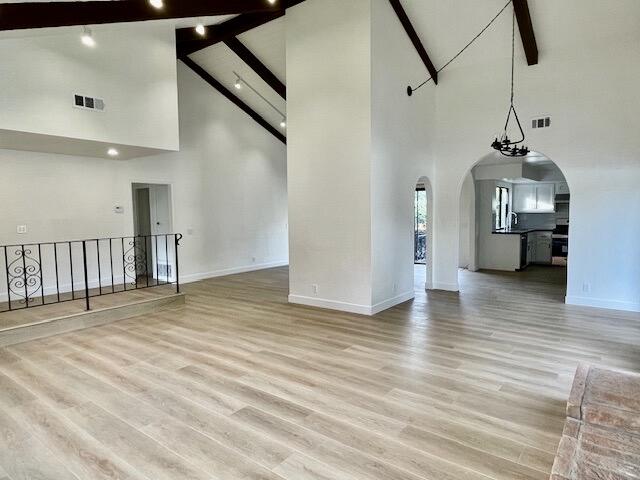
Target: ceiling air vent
(88, 103)
(541, 122)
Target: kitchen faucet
(515, 215)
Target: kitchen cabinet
(543, 244)
(534, 198)
(531, 248)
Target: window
(502, 207)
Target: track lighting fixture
(240, 82)
(112, 152)
(200, 30)
(156, 3)
(272, 2)
(87, 37)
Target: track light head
(157, 3)
(238, 84)
(87, 37)
(200, 29)
(283, 123)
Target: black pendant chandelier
(504, 144)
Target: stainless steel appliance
(560, 241)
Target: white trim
(351, 307)
(194, 277)
(330, 304)
(392, 302)
(602, 303)
(448, 287)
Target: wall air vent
(541, 122)
(88, 103)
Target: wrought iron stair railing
(37, 274)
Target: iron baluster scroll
(45, 273)
(24, 274)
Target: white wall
(228, 185)
(584, 81)
(329, 153)
(131, 67)
(588, 85)
(467, 238)
(228, 188)
(401, 141)
(356, 151)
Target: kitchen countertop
(520, 231)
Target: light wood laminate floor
(237, 384)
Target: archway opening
(423, 234)
(514, 229)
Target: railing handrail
(99, 239)
(140, 261)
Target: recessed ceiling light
(156, 3)
(87, 37)
(238, 84)
(283, 123)
(112, 152)
(200, 29)
(272, 2)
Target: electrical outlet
(22, 229)
(253, 259)
(586, 287)
(395, 288)
(314, 287)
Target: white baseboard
(350, 307)
(392, 302)
(449, 287)
(194, 277)
(602, 303)
(330, 304)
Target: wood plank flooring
(237, 384)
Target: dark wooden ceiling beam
(15, 16)
(415, 39)
(257, 66)
(189, 41)
(202, 73)
(525, 25)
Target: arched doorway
(514, 228)
(423, 234)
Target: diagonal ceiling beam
(202, 73)
(188, 41)
(415, 39)
(521, 7)
(15, 16)
(257, 66)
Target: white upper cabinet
(534, 198)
